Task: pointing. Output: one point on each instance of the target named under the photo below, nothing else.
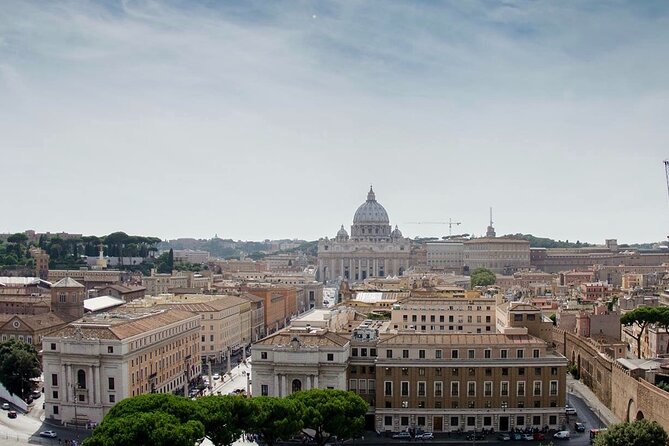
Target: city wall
(629, 397)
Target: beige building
(445, 255)
(498, 254)
(225, 320)
(443, 309)
(374, 249)
(93, 363)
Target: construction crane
(450, 224)
(666, 172)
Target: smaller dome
(342, 232)
(396, 233)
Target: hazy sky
(271, 119)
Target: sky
(256, 120)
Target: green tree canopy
(19, 364)
(328, 412)
(275, 418)
(638, 433)
(482, 277)
(642, 317)
(151, 428)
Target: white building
(98, 360)
(446, 255)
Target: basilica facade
(373, 249)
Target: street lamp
(248, 382)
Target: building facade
(498, 254)
(93, 363)
(373, 249)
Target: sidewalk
(236, 380)
(580, 389)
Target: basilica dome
(371, 211)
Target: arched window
(297, 385)
(81, 379)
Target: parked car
(12, 414)
(516, 436)
(503, 437)
(539, 436)
(216, 376)
(579, 427)
(36, 394)
(404, 435)
(5, 406)
(569, 410)
(425, 436)
(475, 436)
(48, 434)
(562, 435)
(528, 437)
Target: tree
(641, 317)
(19, 364)
(18, 239)
(224, 417)
(275, 418)
(638, 433)
(154, 428)
(482, 277)
(329, 413)
(170, 260)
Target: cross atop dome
(370, 195)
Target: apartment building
(225, 320)
(445, 310)
(446, 382)
(94, 362)
(498, 254)
(279, 302)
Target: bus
(594, 433)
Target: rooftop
(462, 339)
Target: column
(307, 382)
(283, 385)
(341, 267)
(316, 381)
(98, 385)
(63, 382)
(359, 270)
(276, 385)
(90, 385)
(332, 268)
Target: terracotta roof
(67, 282)
(38, 321)
(121, 325)
(321, 339)
(460, 339)
(220, 304)
(497, 240)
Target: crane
(450, 223)
(666, 172)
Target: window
(454, 354)
(471, 388)
(264, 390)
(455, 388)
(487, 353)
(362, 386)
(520, 388)
(110, 349)
(405, 371)
(530, 317)
(455, 422)
(353, 385)
(554, 371)
(553, 388)
(371, 385)
(421, 371)
(363, 352)
(421, 388)
(488, 372)
(552, 419)
(520, 353)
(82, 398)
(518, 317)
(455, 371)
(389, 353)
(405, 354)
(330, 356)
(438, 388)
(421, 354)
(472, 371)
(263, 355)
(521, 371)
(55, 394)
(504, 388)
(372, 352)
(520, 420)
(388, 388)
(388, 420)
(353, 370)
(537, 388)
(404, 388)
(111, 383)
(354, 351)
(535, 353)
(504, 353)
(505, 371)
(437, 354)
(55, 410)
(53, 345)
(112, 398)
(54, 379)
(471, 354)
(437, 371)
(487, 388)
